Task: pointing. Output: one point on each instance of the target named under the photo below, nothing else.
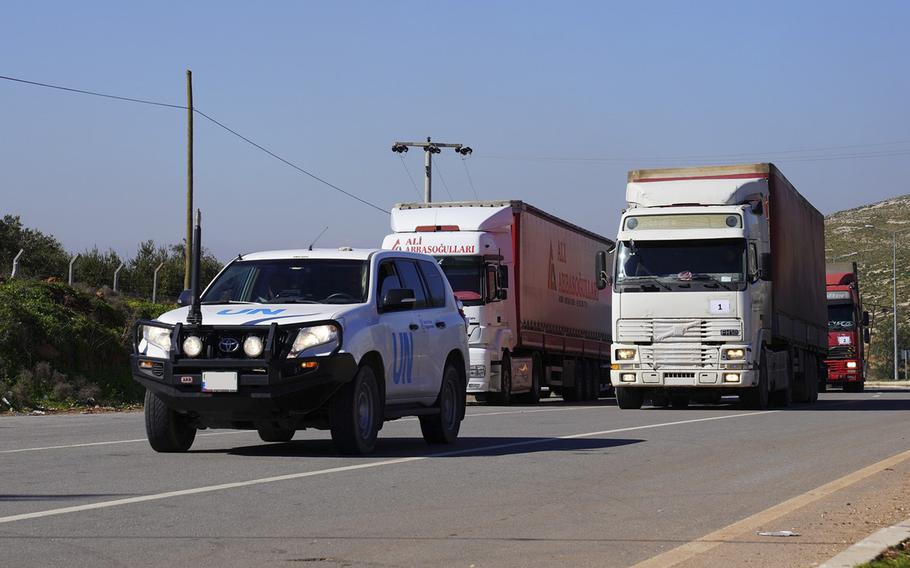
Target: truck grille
(842, 352)
(686, 330)
(661, 356)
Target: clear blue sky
(331, 85)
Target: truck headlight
(735, 354)
(625, 354)
(160, 337)
(316, 340)
(252, 346)
(192, 346)
(851, 364)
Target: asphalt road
(557, 483)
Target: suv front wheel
(443, 428)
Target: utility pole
(188, 249)
(894, 291)
(429, 148)
(72, 260)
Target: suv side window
(410, 278)
(386, 280)
(435, 283)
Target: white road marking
(137, 440)
(301, 475)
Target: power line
(464, 162)
(207, 117)
(93, 93)
(444, 184)
(407, 171)
(289, 163)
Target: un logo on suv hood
(228, 344)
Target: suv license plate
(219, 381)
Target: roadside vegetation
(67, 346)
(895, 557)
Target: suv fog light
(192, 346)
(627, 377)
(252, 346)
(731, 377)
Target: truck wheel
(356, 414)
(756, 398)
(272, 433)
(593, 380)
(783, 397)
(629, 398)
(443, 428)
(660, 401)
(679, 401)
(504, 396)
(168, 431)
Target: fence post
(116, 275)
(16, 264)
(155, 283)
(72, 260)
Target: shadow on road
(416, 447)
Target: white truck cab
(293, 339)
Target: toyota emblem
(228, 344)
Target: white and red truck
(537, 322)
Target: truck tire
(504, 396)
(272, 433)
(629, 398)
(443, 428)
(579, 389)
(660, 401)
(356, 414)
(593, 380)
(168, 431)
(679, 401)
(756, 398)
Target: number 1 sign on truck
(537, 322)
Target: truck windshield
(291, 281)
(465, 275)
(685, 265)
(840, 316)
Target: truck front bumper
(266, 390)
(481, 377)
(684, 378)
(840, 371)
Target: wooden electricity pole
(189, 180)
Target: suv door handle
(441, 324)
(414, 327)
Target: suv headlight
(313, 341)
(624, 354)
(735, 354)
(160, 337)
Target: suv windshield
(465, 275)
(840, 316)
(291, 281)
(649, 266)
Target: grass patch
(895, 557)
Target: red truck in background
(848, 329)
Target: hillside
(848, 239)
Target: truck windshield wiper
(714, 279)
(642, 280)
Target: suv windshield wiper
(216, 302)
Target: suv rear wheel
(443, 428)
(357, 414)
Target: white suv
(299, 339)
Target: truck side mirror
(764, 271)
(185, 298)
(866, 338)
(865, 319)
(398, 299)
(492, 283)
(600, 270)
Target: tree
(44, 256)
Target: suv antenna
(194, 317)
(317, 238)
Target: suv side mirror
(866, 319)
(600, 270)
(764, 271)
(398, 299)
(185, 298)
